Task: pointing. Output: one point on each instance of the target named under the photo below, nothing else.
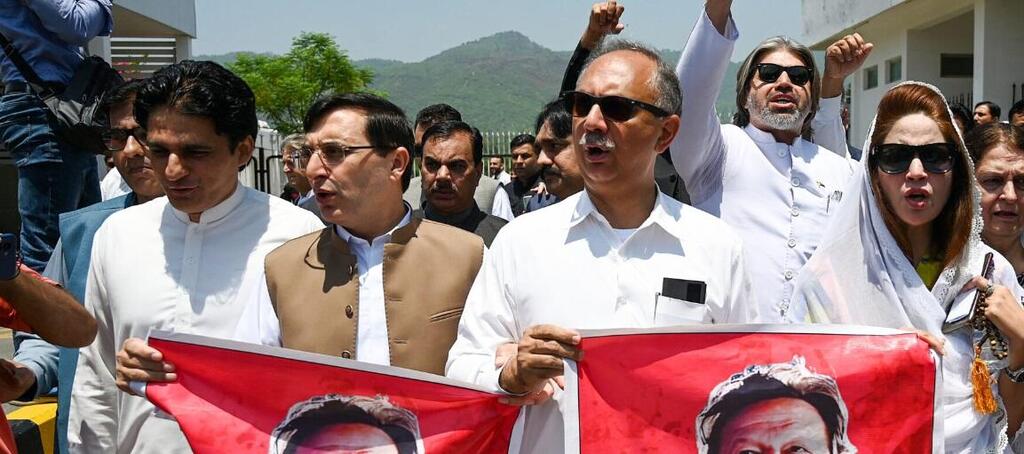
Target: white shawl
(859, 275)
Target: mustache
(596, 139)
(550, 171)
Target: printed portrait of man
(334, 423)
(775, 408)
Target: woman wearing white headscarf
(899, 252)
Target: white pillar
(998, 60)
(182, 48)
(100, 46)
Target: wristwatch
(1015, 375)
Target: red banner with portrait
(753, 388)
(244, 398)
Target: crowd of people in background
(485, 273)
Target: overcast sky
(411, 30)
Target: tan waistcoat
(428, 271)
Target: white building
(148, 34)
(970, 49)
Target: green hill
(499, 82)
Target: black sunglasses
(115, 139)
(894, 158)
(616, 108)
(770, 72)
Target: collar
(347, 236)
(457, 219)
(665, 214)
(217, 212)
(766, 137)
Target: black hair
(122, 93)
(962, 113)
(993, 108)
(555, 114)
(335, 412)
(447, 129)
(759, 388)
(387, 128)
(523, 139)
(1016, 109)
(436, 113)
(204, 89)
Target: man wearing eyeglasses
(294, 166)
(69, 264)
(181, 262)
(619, 254)
(378, 284)
(761, 175)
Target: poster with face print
(752, 389)
(244, 398)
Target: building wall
(824, 18)
(998, 57)
(889, 44)
(924, 49)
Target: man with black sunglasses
(762, 175)
(619, 254)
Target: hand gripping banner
(244, 398)
(752, 388)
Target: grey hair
(768, 381)
(665, 83)
(293, 141)
(746, 74)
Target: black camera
(8, 256)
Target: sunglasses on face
(116, 139)
(893, 158)
(770, 72)
(615, 108)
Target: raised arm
(842, 58)
(74, 21)
(604, 20)
(698, 151)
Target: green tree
(286, 85)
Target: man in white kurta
(777, 194)
(175, 263)
(602, 257)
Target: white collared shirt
(503, 177)
(113, 185)
(778, 197)
(259, 322)
(565, 265)
(152, 268)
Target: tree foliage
(286, 85)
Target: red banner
(243, 398)
(730, 389)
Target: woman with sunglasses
(998, 153)
(902, 250)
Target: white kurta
(113, 185)
(565, 265)
(154, 269)
(776, 196)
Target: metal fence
(265, 170)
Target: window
(956, 65)
(893, 70)
(871, 77)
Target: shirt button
(346, 354)
(796, 182)
(789, 274)
(782, 153)
(349, 312)
(791, 243)
(795, 212)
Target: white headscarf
(859, 275)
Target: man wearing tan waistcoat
(377, 284)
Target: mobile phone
(963, 307)
(8, 256)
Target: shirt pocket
(670, 311)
